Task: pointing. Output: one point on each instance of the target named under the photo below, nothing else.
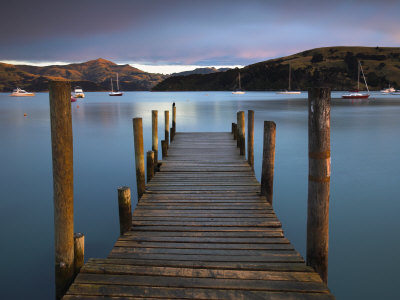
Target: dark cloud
(189, 31)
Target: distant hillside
(93, 75)
(334, 67)
(200, 71)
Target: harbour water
(364, 202)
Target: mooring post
(238, 129)
(171, 135)
(319, 172)
(62, 155)
(150, 165)
(233, 126)
(166, 119)
(124, 209)
(242, 133)
(173, 120)
(267, 169)
(250, 138)
(139, 155)
(235, 131)
(79, 250)
(164, 148)
(154, 131)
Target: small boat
(288, 91)
(73, 99)
(78, 92)
(388, 90)
(21, 93)
(239, 91)
(356, 94)
(117, 93)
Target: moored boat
(73, 99)
(388, 90)
(116, 93)
(78, 92)
(288, 91)
(239, 91)
(21, 93)
(357, 94)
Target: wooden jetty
(201, 230)
(204, 227)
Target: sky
(174, 35)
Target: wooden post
(166, 119)
(250, 138)
(233, 126)
(267, 170)
(235, 130)
(173, 120)
(171, 135)
(154, 130)
(139, 155)
(62, 154)
(164, 148)
(79, 250)
(124, 209)
(150, 165)
(238, 129)
(319, 168)
(242, 133)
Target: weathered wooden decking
(201, 231)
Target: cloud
(189, 32)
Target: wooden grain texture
(139, 155)
(201, 231)
(63, 185)
(154, 135)
(319, 179)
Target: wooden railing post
(150, 165)
(267, 170)
(319, 168)
(242, 132)
(139, 155)
(173, 121)
(164, 148)
(166, 119)
(62, 154)
(79, 250)
(154, 130)
(124, 209)
(250, 138)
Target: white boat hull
(238, 93)
(288, 93)
(22, 94)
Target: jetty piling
(318, 180)
(242, 133)
(62, 157)
(124, 209)
(139, 156)
(235, 131)
(164, 148)
(250, 138)
(150, 165)
(268, 160)
(173, 130)
(79, 252)
(166, 120)
(154, 132)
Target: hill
(93, 75)
(200, 71)
(334, 67)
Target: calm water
(364, 203)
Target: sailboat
(357, 94)
(288, 91)
(117, 93)
(239, 91)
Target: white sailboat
(357, 94)
(288, 91)
(239, 91)
(21, 93)
(117, 93)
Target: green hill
(334, 67)
(93, 75)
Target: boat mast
(365, 81)
(240, 87)
(290, 69)
(117, 84)
(358, 76)
(112, 89)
